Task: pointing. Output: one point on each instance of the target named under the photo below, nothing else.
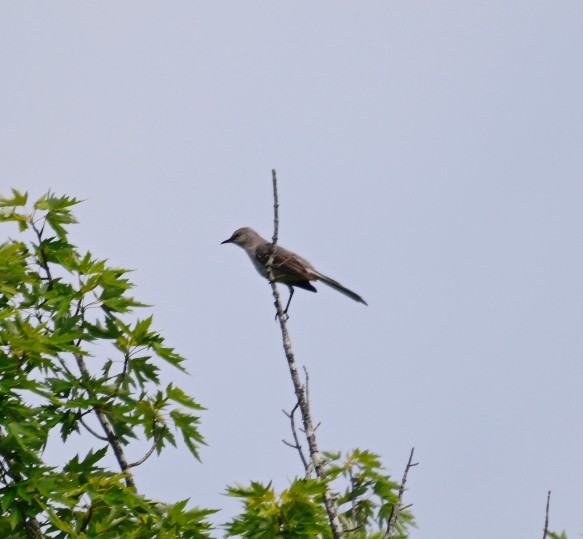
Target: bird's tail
(337, 286)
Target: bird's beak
(230, 240)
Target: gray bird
(287, 268)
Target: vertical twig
(398, 507)
(275, 216)
(297, 445)
(315, 455)
(546, 528)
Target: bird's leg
(291, 295)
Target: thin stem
(546, 528)
(89, 429)
(150, 451)
(297, 444)
(43, 261)
(398, 507)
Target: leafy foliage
(365, 496)
(297, 513)
(73, 360)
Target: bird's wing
(287, 266)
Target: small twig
(546, 528)
(353, 498)
(275, 211)
(65, 368)
(150, 451)
(269, 264)
(86, 520)
(44, 260)
(98, 436)
(78, 309)
(121, 376)
(297, 444)
(289, 444)
(307, 385)
(398, 507)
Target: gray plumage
(287, 268)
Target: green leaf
(17, 199)
(191, 436)
(87, 464)
(50, 202)
(177, 395)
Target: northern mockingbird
(287, 268)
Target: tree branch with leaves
(75, 361)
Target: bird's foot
(277, 313)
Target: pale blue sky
(429, 156)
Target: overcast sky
(430, 157)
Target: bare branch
(546, 528)
(398, 507)
(44, 261)
(297, 444)
(121, 376)
(289, 444)
(302, 401)
(150, 451)
(353, 498)
(307, 384)
(275, 208)
(86, 520)
(98, 436)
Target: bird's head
(244, 237)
